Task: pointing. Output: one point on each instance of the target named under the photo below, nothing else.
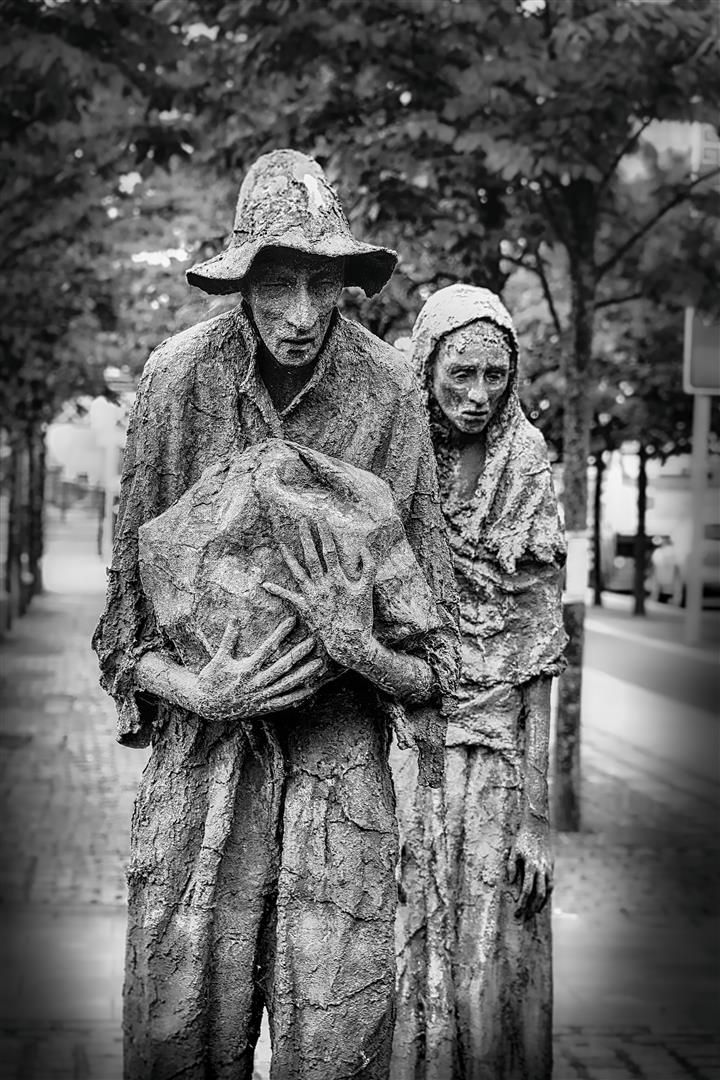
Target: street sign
(701, 359)
(709, 152)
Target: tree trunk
(24, 463)
(640, 537)
(15, 529)
(576, 450)
(7, 480)
(36, 500)
(597, 523)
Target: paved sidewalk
(662, 622)
(635, 905)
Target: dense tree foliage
(73, 104)
(460, 132)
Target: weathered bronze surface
(474, 925)
(264, 838)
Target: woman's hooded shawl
(507, 541)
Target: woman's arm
(408, 678)
(339, 609)
(536, 699)
(530, 863)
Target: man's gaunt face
(472, 371)
(292, 297)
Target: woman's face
(472, 371)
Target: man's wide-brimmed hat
(286, 201)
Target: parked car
(617, 559)
(667, 577)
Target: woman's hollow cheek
(450, 399)
(495, 396)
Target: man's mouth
(475, 414)
(298, 342)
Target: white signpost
(701, 378)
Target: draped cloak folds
(507, 540)
(200, 402)
(508, 549)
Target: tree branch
(538, 268)
(548, 25)
(540, 271)
(554, 219)
(679, 197)
(66, 232)
(610, 300)
(608, 174)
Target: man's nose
(301, 314)
(478, 393)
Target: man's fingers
(368, 566)
(204, 642)
(296, 678)
(528, 885)
(286, 701)
(544, 889)
(312, 559)
(230, 636)
(329, 547)
(293, 565)
(285, 663)
(273, 642)
(514, 864)
(540, 893)
(295, 599)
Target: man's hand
(337, 607)
(227, 687)
(530, 865)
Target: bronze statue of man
(265, 878)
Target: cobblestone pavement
(66, 785)
(598, 1054)
(635, 903)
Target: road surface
(651, 699)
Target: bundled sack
(203, 561)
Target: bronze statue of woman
(508, 550)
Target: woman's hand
(530, 865)
(227, 687)
(337, 607)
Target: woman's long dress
(458, 937)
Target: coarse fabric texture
(424, 1043)
(263, 874)
(302, 891)
(507, 540)
(203, 562)
(508, 551)
(502, 966)
(286, 201)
